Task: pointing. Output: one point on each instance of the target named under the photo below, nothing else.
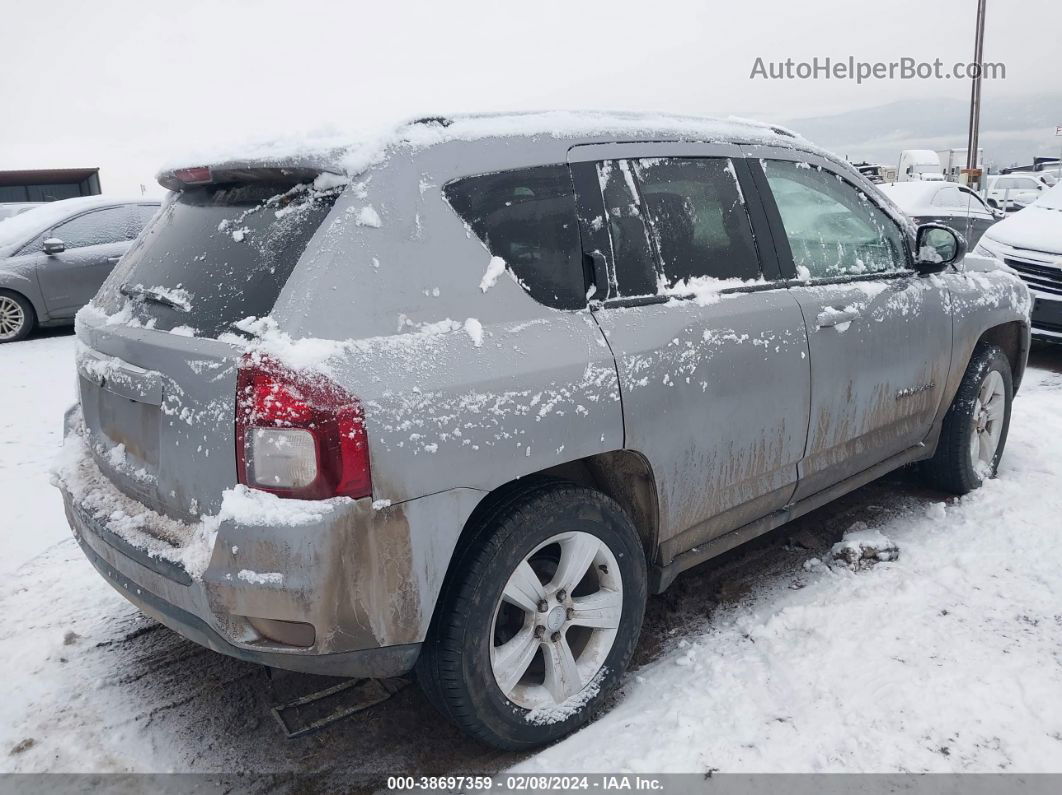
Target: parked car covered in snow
(54, 257)
(1011, 192)
(11, 209)
(1030, 242)
(944, 203)
(458, 399)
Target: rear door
(879, 334)
(710, 347)
(94, 241)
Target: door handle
(835, 316)
(114, 259)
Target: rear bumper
(379, 663)
(349, 592)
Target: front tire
(539, 619)
(976, 425)
(17, 317)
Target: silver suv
(457, 402)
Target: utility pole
(973, 172)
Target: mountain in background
(1013, 130)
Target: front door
(711, 350)
(94, 242)
(879, 334)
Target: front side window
(528, 218)
(111, 225)
(833, 229)
(698, 219)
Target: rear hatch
(157, 385)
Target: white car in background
(1011, 192)
(1030, 242)
(944, 203)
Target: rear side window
(224, 252)
(528, 218)
(698, 219)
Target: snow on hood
(353, 152)
(1037, 227)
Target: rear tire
(976, 425)
(538, 619)
(17, 317)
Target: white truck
(919, 165)
(953, 161)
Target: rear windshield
(216, 255)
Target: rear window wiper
(155, 296)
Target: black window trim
(784, 252)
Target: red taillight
(197, 175)
(298, 435)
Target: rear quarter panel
(464, 383)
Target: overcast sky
(127, 85)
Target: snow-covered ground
(948, 658)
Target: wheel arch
(21, 279)
(627, 477)
(1013, 338)
(624, 475)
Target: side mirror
(936, 247)
(54, 245)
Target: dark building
(48, 185)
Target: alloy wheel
(12, 318)
(989, 411)
(556, 621)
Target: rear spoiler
(293, 172)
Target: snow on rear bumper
(348, 591)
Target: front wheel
(975, 427)
(17, 317)
(540, 620)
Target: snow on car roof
(913, 194)
(20, 228)
(354, 152)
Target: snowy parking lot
(773, 658)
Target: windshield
(216, 255)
